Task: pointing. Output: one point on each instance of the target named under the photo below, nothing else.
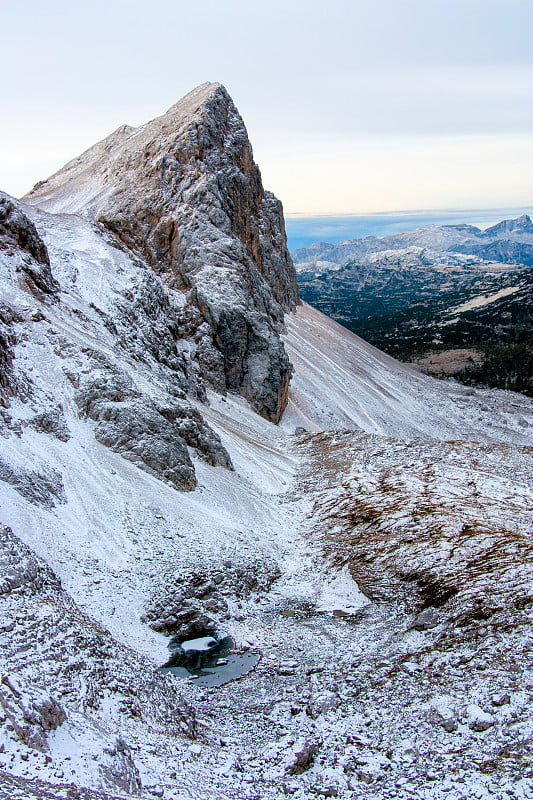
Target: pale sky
(351, 106)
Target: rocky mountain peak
(184, 194)
(365, 567)
(521, 224)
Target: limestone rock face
(184, 193)
(31, 713)
(154, 438)
(18, 235)
(17, 231)
(26, 263)
(40, 488)
(7, 340)
(21, 571)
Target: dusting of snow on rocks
(372, 551)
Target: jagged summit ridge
(184, 194)
(521, 224)
(96, 164)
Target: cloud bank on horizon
(351, 106)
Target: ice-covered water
(219, 667)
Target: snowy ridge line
(374, 547)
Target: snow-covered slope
(140, 503)
(128, 547)
(341, 381)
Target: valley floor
(419, 491)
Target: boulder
(427, 619)
(32, 714)
(478, 720)
(301, 756)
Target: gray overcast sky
(351, 106)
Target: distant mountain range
(438, 288)
(507, 241)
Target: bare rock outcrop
(44, 487)
(18, 235)
(141, 435)
(191, 426)
(21, 570)
(155, 438)
(51, 421)
(148, 326)
(192, 601)
(27, 264)
(31, 713)
(7, 341)
(184, 193)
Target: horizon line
(403, 211)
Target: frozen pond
(209, 661)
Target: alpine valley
(191, 456)
(454, 299)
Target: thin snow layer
(484, 300)
(438, 523)
(75, 186)
(342, 702)
(259, 450)
(114, 533)
(341, 381)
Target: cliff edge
(184, 194)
